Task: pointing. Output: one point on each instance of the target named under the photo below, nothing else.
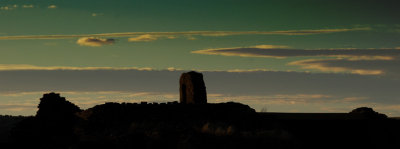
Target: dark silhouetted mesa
(192, 88)
(195, 124)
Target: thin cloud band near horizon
(188, 33)
(354, 61)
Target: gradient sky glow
(285, 55)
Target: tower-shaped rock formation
(192, 88)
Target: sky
(276, 56)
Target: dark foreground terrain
(60, 124)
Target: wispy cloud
(94, 42)
(187, 34)
(243, 51)
(15, 6)
(9, 7)
(5, 8)
(326, 65)
(97, 14)
(387, 68)
(14, 67)
(278, 51)
(17, 107)
(248, 70)
(52, 7)
(28, 6)
(355, 61)
(146, 37)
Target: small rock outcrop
(368, 112)
(192, 88)
(53, 106)
(52, 127)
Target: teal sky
(233, 37)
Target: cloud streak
(17, 107)
(94, 42)
(388, 68)
(148, 37)
(28, 6)
(15, 6)
(9, 7)
(188, 33)
(355, 61)
(52, 7)
(277, 51)
(24, 67)
(327, 65)
(15, 67)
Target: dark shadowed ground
(61, 124)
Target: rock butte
(192, 88)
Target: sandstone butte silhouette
(192, 88)
(194, 123)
